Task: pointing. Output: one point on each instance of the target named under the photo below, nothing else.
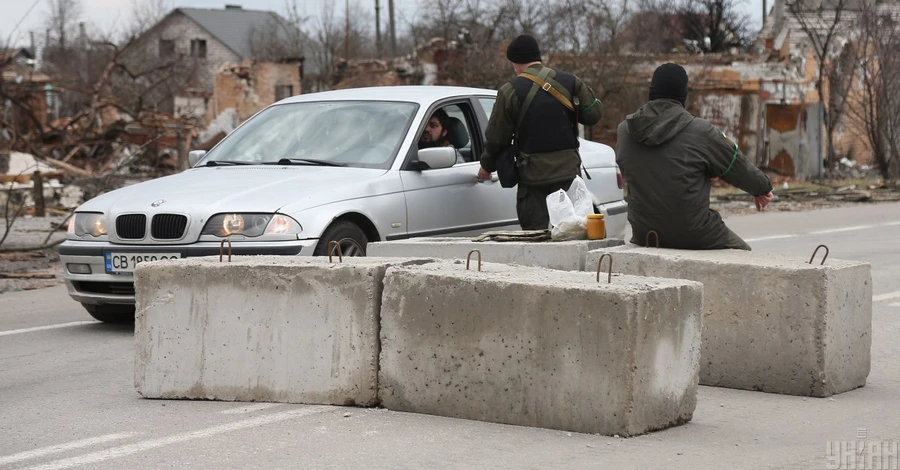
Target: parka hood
(657, 122)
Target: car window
(488, 105)
(351, 133)
(463, 135)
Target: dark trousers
(531, 204)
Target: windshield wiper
(304, 161)
(226, 162)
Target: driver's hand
(483, 175)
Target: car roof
(422, 94)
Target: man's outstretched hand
(763, 201)
(483, 175)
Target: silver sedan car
(334, 166)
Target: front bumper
(102, 288)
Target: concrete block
(564, 255)
(772, 323)
(275, 329)
(542, 348)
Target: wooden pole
(378, 29)
(347, 31)
(39, 209)
(393, 29)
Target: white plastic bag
(569, 210)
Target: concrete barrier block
(772, 323)
(565, 255)
(542, 348)
(275, 329)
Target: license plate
(126, 262)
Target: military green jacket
(539, 169)
(668, 157)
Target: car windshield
(334, 133)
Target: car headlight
(251, 225)
(83, 223)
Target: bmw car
(339, 166)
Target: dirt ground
(24, 269)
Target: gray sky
(107, 14)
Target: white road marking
(48, 327)
(823, 232)
(129, 449)
(888, 296)
(773, 237)
(843, 229)
(250, 408)
(44, 451)
(896, 304)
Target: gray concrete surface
(567, 255)
(273, 329)
(538, 347)
(67, 398)
(772, 323)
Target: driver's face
(433, 131)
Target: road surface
(67, 397)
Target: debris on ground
(793, 196)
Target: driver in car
(435, 134)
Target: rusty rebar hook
(222, 250)
(600, 263)
(817, 250)
(647, 239)
(469, 259)
(332, 246)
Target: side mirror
(436, 158)
(194, 156)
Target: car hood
(235, 189)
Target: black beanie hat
(523, 50)
(670, 82)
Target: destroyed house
(214, 44)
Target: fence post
(39, 209)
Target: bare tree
(62, 21)
(826, 26)
(714, 25)
(145, 14)
(875, 107)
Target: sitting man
(438, 133)
(668, 158)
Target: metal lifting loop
(600, 263)
(222, 250)
(469, 258)
(817, 250)
(332, 245)
(647, 240)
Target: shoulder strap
(551, 86)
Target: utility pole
(347, 31)
(393, 29)
(765, 12)
(378, 29)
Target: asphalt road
(67, 397)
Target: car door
(451, 201)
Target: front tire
(352, 239)
(111, 313)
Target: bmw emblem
(158, 203)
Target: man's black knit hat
(670, 81)
(523, 50)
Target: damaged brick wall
(250, 87)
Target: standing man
(668, 157)
(545, 134)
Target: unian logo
(158, 203)
(862, 454)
